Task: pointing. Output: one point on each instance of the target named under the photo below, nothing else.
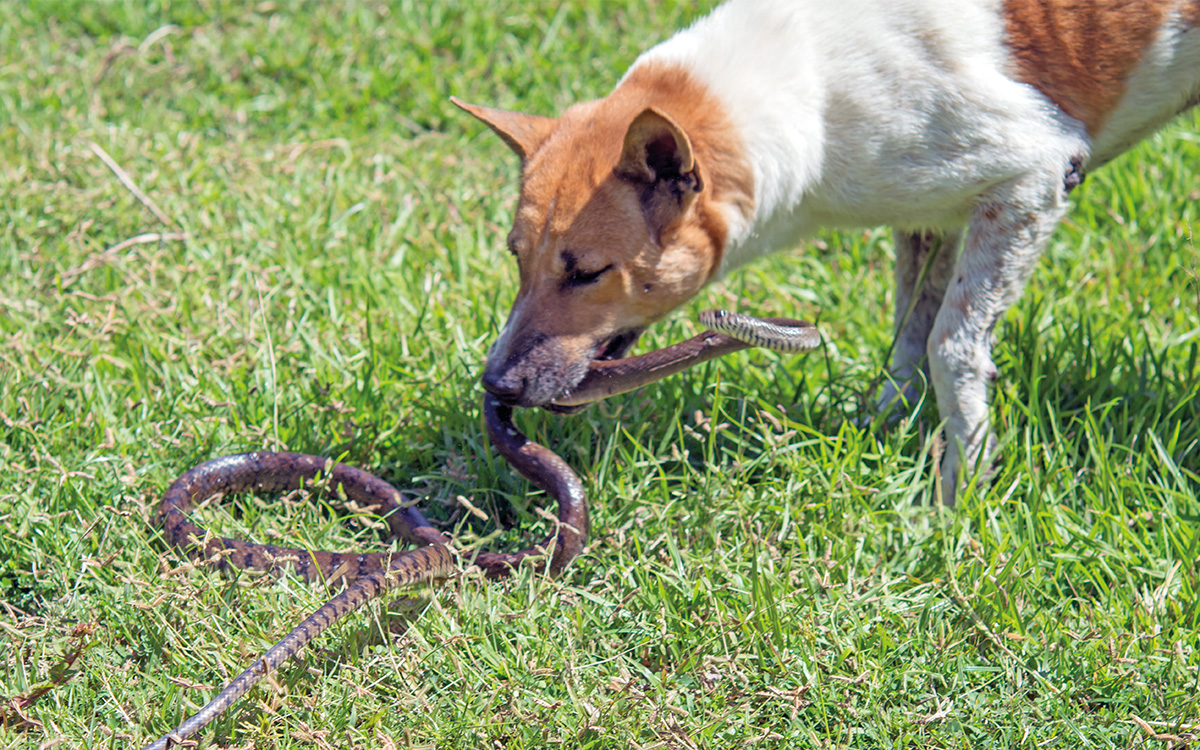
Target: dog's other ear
(657, 156)
(522, 133)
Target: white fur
(859, 113)
(1168, 76)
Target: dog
(962, 124)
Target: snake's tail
(408, 567)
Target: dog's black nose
(507, 390)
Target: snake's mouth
(607, 350)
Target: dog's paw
(979, 466)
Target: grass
(325, 276)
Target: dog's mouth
(617, 346)
(606, 350)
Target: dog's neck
(842, 129)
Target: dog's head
(612, 232)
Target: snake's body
(374, 573)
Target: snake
(370, 575)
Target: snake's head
(619, 222)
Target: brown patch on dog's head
(1080, 53)
(1191, 13)
(623, 216)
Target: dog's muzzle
(538, 371)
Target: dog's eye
(579, 277)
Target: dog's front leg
(914, 250)
(1008, 229)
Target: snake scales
(373, 573)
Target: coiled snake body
(375, 573)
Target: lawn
(227, 227)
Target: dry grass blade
(128, 182)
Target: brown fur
(521, 133)
(1080, 53)
(580, 198)
(1191, 13)
(565, 205)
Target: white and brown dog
(963, 124)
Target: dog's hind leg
(918, 299)
(1008, 229)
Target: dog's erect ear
(656, 148)
(657, 156)
(522, 133)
